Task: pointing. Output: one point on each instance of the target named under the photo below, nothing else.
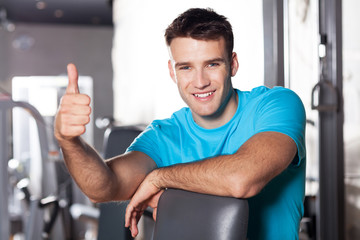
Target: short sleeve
(281, 110)
(147, 142)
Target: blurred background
(310, 46)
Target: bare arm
(115, 179)
(242, 174)
(111, 180)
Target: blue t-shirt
(276, 211)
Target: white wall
(304, 74)
(351, 91)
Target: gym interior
(309, 46)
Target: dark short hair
(201, 24)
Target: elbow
(109, 194)
(245, 192)
(96, 200)
(100, 199)
(106, 195)
(104, 198)
(243, 188)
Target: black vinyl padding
(193, 216)
(112, 214)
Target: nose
(201, 80)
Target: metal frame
(331, 223)
(34, 228)
(330, 220)
(4, 178)
(273, 21)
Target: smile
(203, 95)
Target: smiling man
(227, 142)
(204, 78)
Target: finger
(128, 213)
(78, 99)
(81, 110)
(72, 131)
(74, 109)
(154, 213)
(73, 77)
(133, 227)
(75, 120)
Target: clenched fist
(74, 110)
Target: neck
(223, 115)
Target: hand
(147, 195)
(74, 110)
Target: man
(227, 142)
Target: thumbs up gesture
(73, 79)
(74, 111)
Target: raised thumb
(73, 77)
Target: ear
(234, 64)
(171, 71)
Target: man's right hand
(74, 110)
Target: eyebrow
(222, 60)
(181, 64)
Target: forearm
(242, 174)
(89, 170)
(115, 179)
(207, 176)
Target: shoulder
(274, 92)
(176, 118)
(264, 98)
(263, 92)
(160, 127)
(160, 137)
(281, 92)
(277, 97)
(281, 110)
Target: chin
(208, 113)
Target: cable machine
(34, 225)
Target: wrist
(69, 142)
(155, 179)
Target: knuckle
(82, 130)
(64, 131)
(84, 98)
(86, 110)
(88, 99)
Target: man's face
(202, 71)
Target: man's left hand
(147, 195)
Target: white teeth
(202, 95)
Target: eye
(213, 64)
(185, 68)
